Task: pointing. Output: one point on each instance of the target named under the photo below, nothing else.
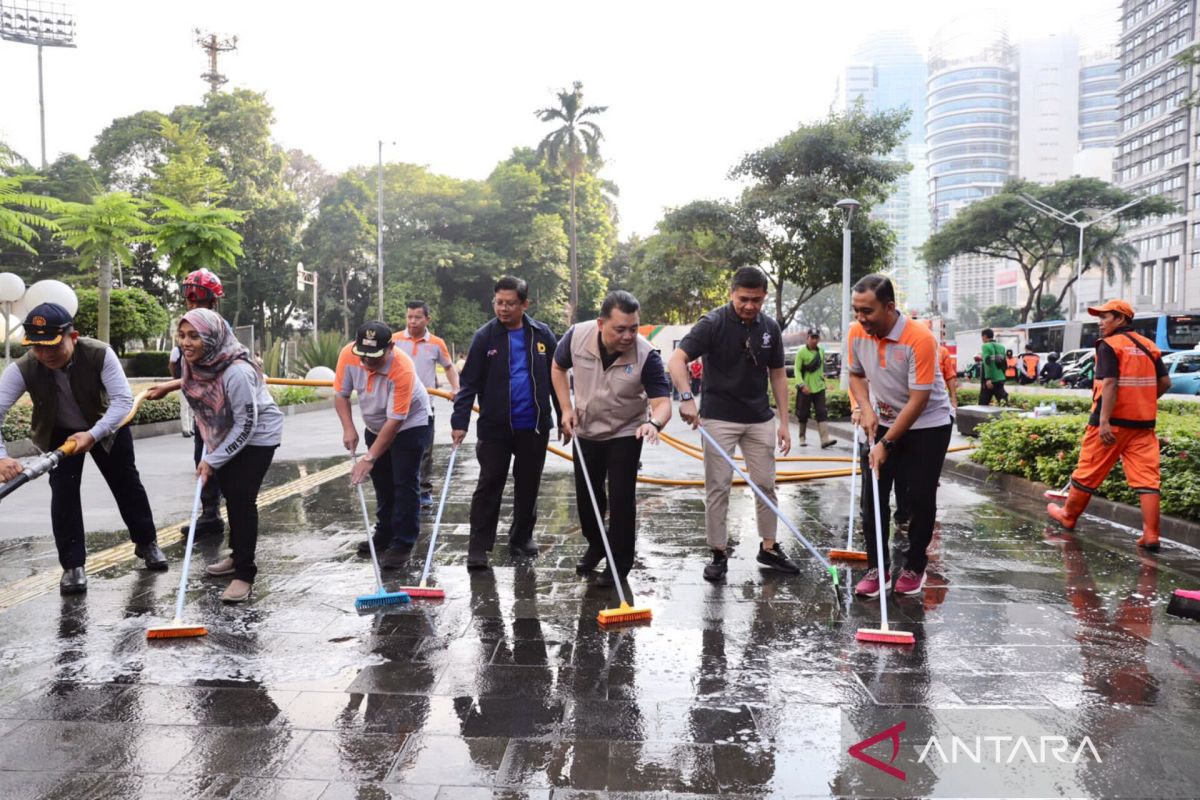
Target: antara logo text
(1023, 750)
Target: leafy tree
(999, 317)
(187, 175)
(680, 273)
(795, 185)
(574, 143)
(1005, 226)
(127, 152)
(19, 217)
(304, 177)
(340, 243)
(136, 315)
(102, 232)
(195, 236)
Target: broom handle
(853, 476)
(763, 497)
(362, 499)
(437, 521)
(879, 543)
(187, 553)
(612, 565)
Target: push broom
(850, 554)
(625, 613)
(177, 629)
(787, 523)
(882, 634)
(382, 597)
(424, 591)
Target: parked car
(1184, 369)
(1071, 356)
(1077, 374)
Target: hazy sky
(690, 86)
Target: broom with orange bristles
(424, 591)
(850, 554)
(177, 629)
(625, 613)
(882, 634)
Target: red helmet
(202, 285)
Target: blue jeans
(397, 482)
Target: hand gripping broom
(423, 590)
(850, 554)
(881, 634)
(625, 613)
(177, 629)
(787, 523)
(382, 597)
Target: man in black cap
(80, 395)
(809, 379)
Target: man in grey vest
(80, 394)
(622, 399)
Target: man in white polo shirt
(427, 352)
(905, 409)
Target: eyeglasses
(751, 354)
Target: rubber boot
(1151, 515)
(826, 440)
(1066, 514)
(802, 442)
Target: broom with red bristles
(424, 591)
(850, 554)
(882, 634)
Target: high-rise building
(971, 136)
(1155, 152)
(888, 73)
(1048, 108)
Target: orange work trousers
(1136, 447)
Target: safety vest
(1011, 371)
(1137, 382)
(1030, 362)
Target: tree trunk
(574, 305)
(102, 306)
(345, 281)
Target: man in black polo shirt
(742, 348)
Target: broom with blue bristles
(382, 597)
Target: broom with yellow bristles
(625, 613)
(177, 629)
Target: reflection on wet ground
(508, 689)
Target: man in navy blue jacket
(508, 369)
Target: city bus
(1169, 332)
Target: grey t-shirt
(256, 419)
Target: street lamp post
(849, 206)
(1082, 224)
(43, 25)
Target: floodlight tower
(41, 24)
(214, 46)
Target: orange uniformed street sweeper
(1130, 377)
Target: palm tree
(19, 219)
(196, 235)
(576, 141)
(102, 232)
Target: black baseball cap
(814, 332)
(46, 324)
(373, 340)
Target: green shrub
(294, 395)
(1047, 450)
(16, 422)
(150, 364)
(321, 352)
(163, 410)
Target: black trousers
(919, 456)
(240, 478)
(210, 495)
(397, 481)
(612, 465)
(120, 473)
(814, 401)
(997, 391)
(526, 451)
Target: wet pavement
(509, 689)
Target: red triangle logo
(892, 734)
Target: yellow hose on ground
(684, 447)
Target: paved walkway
(508, 688)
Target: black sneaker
(715, 570)
(775, 558)
(395, 557)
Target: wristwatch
(657, 425)
(683, 398)
(888, 444)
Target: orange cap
(1119, 306)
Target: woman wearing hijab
(241, 427)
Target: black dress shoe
(588, 563)
(716, 569)
(205, 526)
(395, 557)
(527, 548)
(477, 562)
(154, 558)
(364, 549)
(74, 581)
(605, 579)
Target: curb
(24, 447)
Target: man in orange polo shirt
(1130, 377)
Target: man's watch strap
(888, 444)
(657, 425)
(683, 398)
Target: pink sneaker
(869, 585)
(910, 582)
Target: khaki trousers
(756, 441)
